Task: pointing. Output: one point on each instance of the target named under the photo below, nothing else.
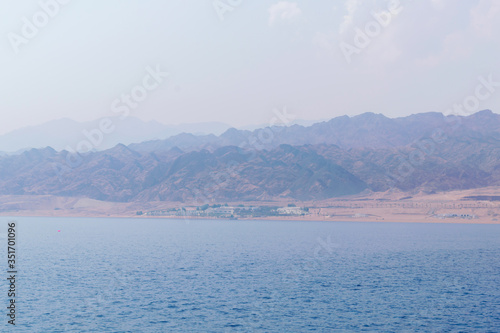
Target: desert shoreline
(447, 207)
(416, 219)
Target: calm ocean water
(137, 275)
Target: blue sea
(161, 275)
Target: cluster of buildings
(228, 211)
(461, 216)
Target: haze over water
(138, 275)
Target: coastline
(447, 207)
(391, 218)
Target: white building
(290, 211)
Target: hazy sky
(426, 56)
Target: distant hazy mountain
(301, 122)
(64, 133)
(367, 130)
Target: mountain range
(426, 152)
(368, 130)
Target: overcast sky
(236, 63)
